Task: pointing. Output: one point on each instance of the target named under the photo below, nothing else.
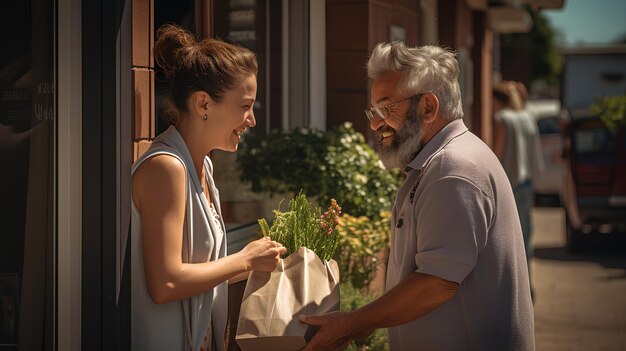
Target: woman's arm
(159, 193)
(239, 277)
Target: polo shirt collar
(441, 139)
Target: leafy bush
(360, 240)
(355, 176)
(612, 111)
(338, 164)
(353, 298)
(282, 162)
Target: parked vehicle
(594, 185)
(547, 115)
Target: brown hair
(208, 65)
(501, 94)
(506, 92)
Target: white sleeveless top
(171, 326)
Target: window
(256, 25)
(245, 22)
(27, 174)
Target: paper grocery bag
(272, 302)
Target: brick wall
(142, 76)
(352, 29)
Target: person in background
(522, 91)
(179, 265)
(518, 147)
(456, 277)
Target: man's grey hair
(425, 69)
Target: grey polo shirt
(455, 218)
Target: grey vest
(180, 325)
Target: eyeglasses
(369, 113)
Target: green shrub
(355, 176)
(353, 298)
(360, 240)
(612, 111)
(338, 164)
(282, 162)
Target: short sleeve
(453, 220)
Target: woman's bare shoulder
(158, 176)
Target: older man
(457, 277)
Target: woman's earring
(205, 117)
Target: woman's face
(234, 114)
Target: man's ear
(201, 102)
(429, 107)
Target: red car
(594, 186)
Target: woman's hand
(262, 255)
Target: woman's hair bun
(172, 45)
(209, 65)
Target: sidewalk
(580, 299)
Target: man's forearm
(417, 295)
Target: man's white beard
(406, 143)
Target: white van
(547, 114)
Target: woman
(180, 270)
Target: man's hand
(398, 306)
(337, 329)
